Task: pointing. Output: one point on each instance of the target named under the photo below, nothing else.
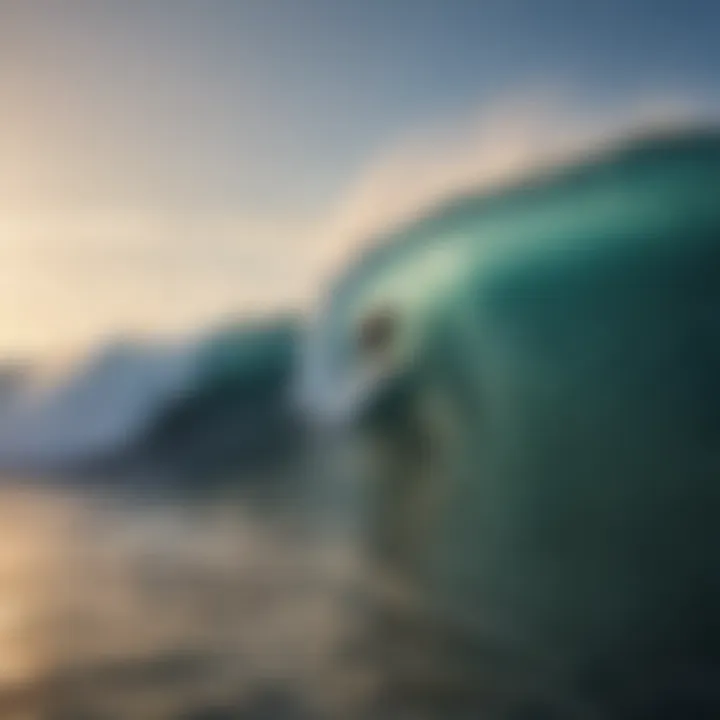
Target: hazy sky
(167, 162)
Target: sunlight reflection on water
(116, 610)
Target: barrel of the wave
(534, 377)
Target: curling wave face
(542, 417)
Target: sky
(168, 163)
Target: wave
(131, 399)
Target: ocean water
(175, 559)
(177, 605)
(113, 606)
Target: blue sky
(166, 162)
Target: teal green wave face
(535, 378)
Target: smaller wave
(130, 396)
